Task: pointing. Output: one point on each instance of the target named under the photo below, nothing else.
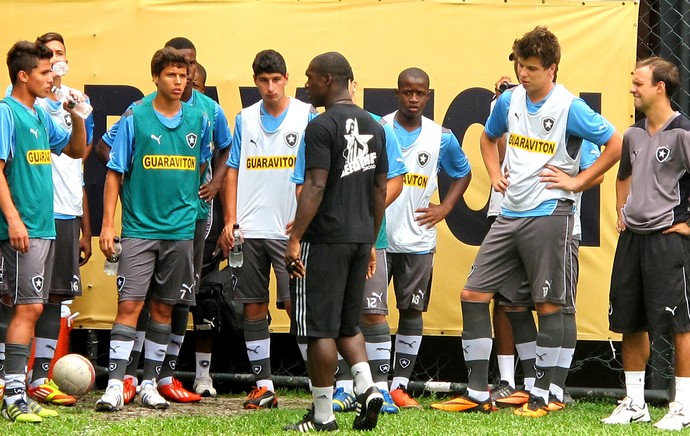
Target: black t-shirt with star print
(350, 144)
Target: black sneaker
(308, 424)
(534, 408)
(368, 406)
(501, 390)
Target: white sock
(267, 383)
(683, 391)
(506, 366)
(203, 365)
(634, 386)
(347, 385)
(478, 395)
(529, 383)
(382, 385)
(361, 373)
(165, 381)
(557, 391)
(399, 381)
(323, 403)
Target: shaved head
(413, 73)
(335, 65)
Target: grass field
(224, 416)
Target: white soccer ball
(74, 374)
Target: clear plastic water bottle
(82, 108)
(60, 68)
(111, 263)
(237, 255)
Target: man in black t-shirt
(329, 253)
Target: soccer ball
(74, 374)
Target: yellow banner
(463, 45)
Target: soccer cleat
(261, 398)
(626, 412)
(389, 406)
(465, 404)
(48, 392)
(501, 390)
(675, 419)
(39, 410)
(402, 398)
(534, 408)
(343, 401)
(367, 408)
(554, 404)
(307, 424)
(517, 398)
(148, 396)
(129, 389)
(204, 387)
(176, 392)
(112, 400)
(19, 412)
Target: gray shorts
(3, 283)
(376, 288)
(537, 244)
(518, 286)
(411, 275)
(26, 274)
(254, 274)
(64, 271)
(164, 266)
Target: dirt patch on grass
(210, 407)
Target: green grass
(225, 417)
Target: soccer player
(377, 334)
(535, 225)
(71, 217)
(156, 161)
(260, 198)
(27, 227)
(411, 218)
(649, 283)
(339, 213)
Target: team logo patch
(120, 282)
(191, 139)
(423, 158)
(547, 124)
(469, 371)
(68, 120)
(204, 363)
(404, 363)
(112, 367)
(172, 364)
(37, 283)
(291, 139)
(540, 374)
(256, 369)
(45, 366)
(384, 368)
(158, 370)
(129, 361)
(610, 309)
(662, 154)
(2, 367)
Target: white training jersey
(536, 140)
(68, 174)
(265, 195)
(404, 234)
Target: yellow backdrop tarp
(461, 44)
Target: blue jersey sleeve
(497, 123)
(590, 153)
(298, 174)
(89, 124)
(234, 158)
(206, 150)
(6, 131)
(584, 123)
(58, 137)
(221, 130)
(109, 136)
(452, 159)
(122, 149)
(396, 163)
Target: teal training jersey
(160, 192)
(29, 174)
(207, 105)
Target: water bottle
(111, 263)
(60, 68)
(236, 255)
(82, 108)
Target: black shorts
(649, 284)
(327, 301)
(65, 275)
